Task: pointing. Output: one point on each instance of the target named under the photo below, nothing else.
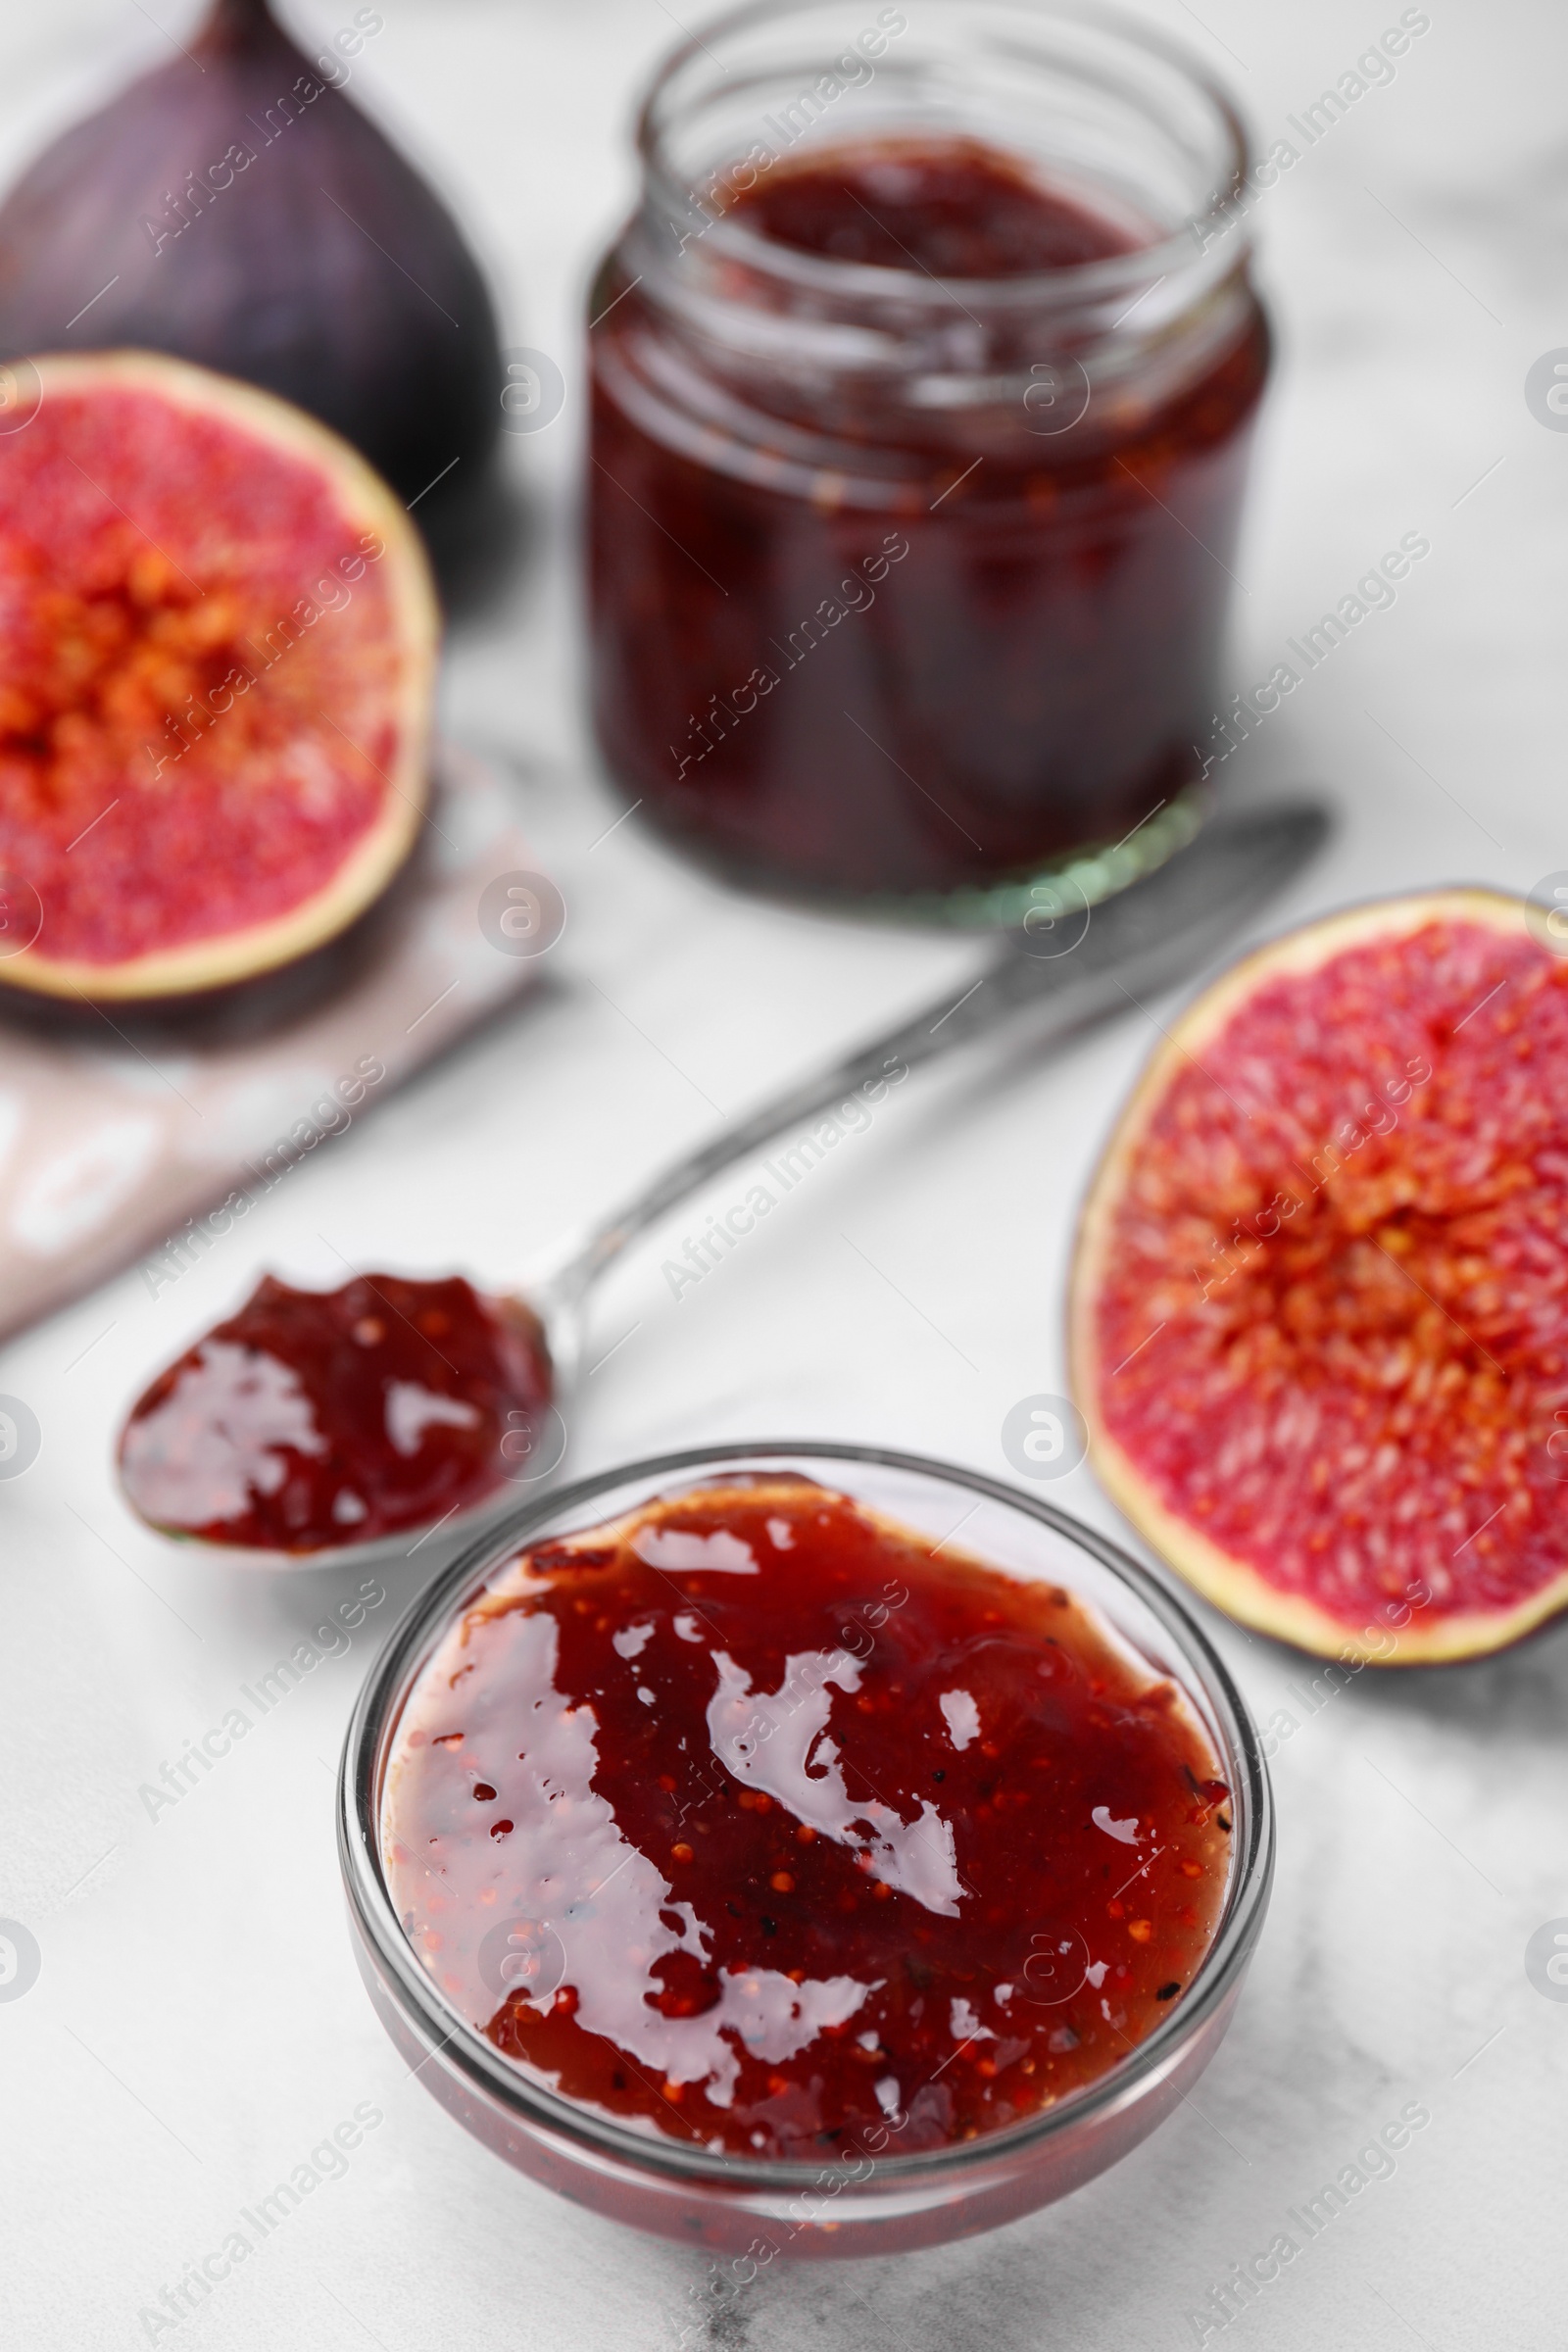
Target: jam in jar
(922, 391)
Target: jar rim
(1073, 285)
(424, 2008)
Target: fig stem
(235, 24)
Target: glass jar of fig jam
(922, 384)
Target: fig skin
(323, 268)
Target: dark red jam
(748, 1819)
(861, 629)
(317, 1418)
(953, 210)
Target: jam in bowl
(816, 1843)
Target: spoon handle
(1080, 963)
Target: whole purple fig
(237, 209)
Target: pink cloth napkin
(123, 1141)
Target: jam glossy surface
(747, 1820)
(317, 1418)
(957, 209)
(853, 637)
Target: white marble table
(197, 2025)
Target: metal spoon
(1069, 965)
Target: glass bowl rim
(414, 1638)
(1074, 283)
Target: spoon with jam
(317, 1426)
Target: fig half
(218, 644)
(1320, 1295)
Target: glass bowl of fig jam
(803, 1850)
(924, 377)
